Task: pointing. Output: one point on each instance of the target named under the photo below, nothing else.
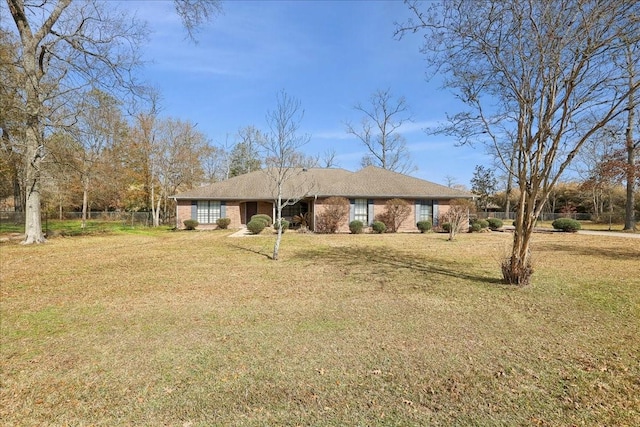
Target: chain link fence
(541, 217)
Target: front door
(251, 209)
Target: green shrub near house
(356, 227)
(284, 223)
(256, 225)
(223, 223)
(478, 224)
(263, 217)
(190, 224)
(378, 227)
(495, 223)
(424, 226)
(566, 224)
(446, 227)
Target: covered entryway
(250, 209)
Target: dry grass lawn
(200, 329)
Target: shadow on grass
(252, 250)
(384, 260)
(608, 252)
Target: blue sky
(329, 55)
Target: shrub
(475, 227)
(424, 226)
(379, 227)
(223, 223)
(494, 223)
(446, 226)
(356, 226)
(396, 211)
(190, 224)
(263, 217)
(335, 213)
(256, 225)
(284, 223)
(566, 224)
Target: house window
(208, 211)
(290, 211)
(361, 211)
(425, 210)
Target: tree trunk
(629, 213)
(517, 269)
(156, 216)
(33, 223)
(85, 200)
(276, 246)
(33, 151)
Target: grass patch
(396, 329)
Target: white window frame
(361, 211)
(426, 210)
(208, 211)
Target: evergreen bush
(263, 217)
(256, 225)
(190, 224)
(494, 223)
(566, 224)
(379, 227)
(223, 223)
(424, 226)
(284, 223)
(356, 226)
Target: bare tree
(538, 80)
(176, 161)
(65, 47)
(98, 127)
(328, 158)
(379, 132)
(11, 121)
(632, 123)
(281, 145)
(458, 216)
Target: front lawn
(200, 329)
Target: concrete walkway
(623, 234)
(241, 233)
(610, 233)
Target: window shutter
(436, 215)
(352, 209)
(370, 211)
(194, 209)
(418, 209)
(223, 209)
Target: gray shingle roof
(370, 182)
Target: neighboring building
(241, 197)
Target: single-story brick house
(241, 197)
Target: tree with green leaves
(483, 184)
(245, 155)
